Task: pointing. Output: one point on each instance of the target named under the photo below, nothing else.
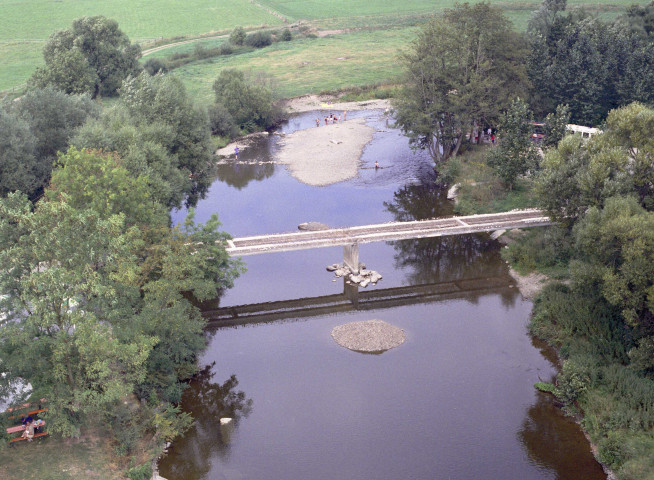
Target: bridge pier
(351, 257)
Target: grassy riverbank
(480, 190)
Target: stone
(369, 336)
(312, 226)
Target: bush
(201, 52)
(237, 36)
(154, 66)
(258, 39)
(142, 472)
(540, 249)
(572, 382)
(221, 121)
(286, 35)
(226, 49)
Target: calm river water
(455, 401)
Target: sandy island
(327, 154)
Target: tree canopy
(591, 65)
(93, 56)
(248, 100)
(96, 293)
(34, 129)
(515, 154)
(462, 71)
(582, 174)
(159, 133)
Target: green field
(375, 30)
(311, 65)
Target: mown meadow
(368, 35)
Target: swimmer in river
(376, 165)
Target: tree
(588, 64)
(258, 39)
(556, 125)
(462, 70)
(88, 178)
(248, 101)
(237, 37)
(160, 134)
(286, 35)
(515, 154)
(54, 117)
(93, 56)
(640, 19)
(18, 167)
(617, 244)
(580, 174)
(95, 301)
(38, 125)
(154, 66)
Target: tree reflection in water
(207, 401)
(441, 259)
(556, 443)
(239, 174)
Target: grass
(310, 65)
(480, 190)
(26, 24)
(53, 458)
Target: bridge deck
(387, 232)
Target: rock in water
(369, 336)
(312, 226)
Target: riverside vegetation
(96, 283)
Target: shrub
(258, 39)
(237, 36)
(226, 49)
(540, 249)
(154, 66)
(221, 121)
(201, 52)
(286, 35)
(142, 472)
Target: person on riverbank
(29, 431)
(317, 122)
(236, 152)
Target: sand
(326, 154)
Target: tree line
(467, 66)
(98, 292)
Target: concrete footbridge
(350, 237)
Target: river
(455, 401)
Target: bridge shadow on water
(354, 298)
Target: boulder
(312, 226)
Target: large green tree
(96, 292)
(159, 133)
(590, 65)
(248, 100)
(516, 154)
(35, 127)
(93, 56)
(462, 71)
(580, 174)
